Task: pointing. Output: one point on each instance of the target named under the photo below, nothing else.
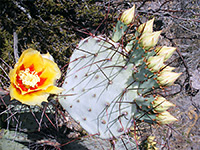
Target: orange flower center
(29, 78)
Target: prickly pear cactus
(108, 86)
(9, 140)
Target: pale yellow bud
(167, 78)
(155, 63)
(128, 15)
(165, 118)
(161, 104)
(167, 69)
(148, 39)
(166, 51)
(146, 27)
(141, 27)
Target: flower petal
(51, 73)
(54, 90)
(33, 98)
(48, 56)
(30, 57)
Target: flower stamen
(29, 78)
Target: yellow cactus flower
(165, 118)
(161, 104)
(148, 39)
(155, 63)
(146, 27)
(128, 15)
(167, 78)
(166, 51)
(33, 78)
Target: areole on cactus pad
(108, 86)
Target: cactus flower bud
(148, 39)
(167, 78)
(167, 69)
(146, 27)
(167, 51)
(165, 118)
(161, 104)
(128, 15)
(155, 63)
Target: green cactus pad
(107, 87)
(119, 31)
(9, 140)
(96, 88)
